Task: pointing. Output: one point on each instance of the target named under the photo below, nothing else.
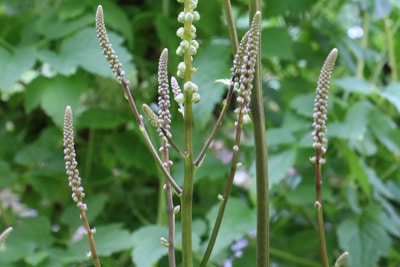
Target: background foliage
(49, 58)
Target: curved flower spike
(164, 114)
(321, 102)
(71, 164)
(106, 46)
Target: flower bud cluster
(74, 180)
(164, 114)
(245, 61)
(321, 104)
(188, 46)
(106, 46)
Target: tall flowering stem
(242, 77)
(116, 67)
(187, 49)
(320, 142)
(164, 120)
(74, 180)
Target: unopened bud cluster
(188, 46)
(245, 61)
(74, 180)
(164, 114)
(321, 105)
(106, 46)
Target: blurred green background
(50, 58)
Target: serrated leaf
(211, 64)
(392, 94)
(238, 220)
(354, 85)
(365, 240)
(13, 65)
(54, 95)
(147, 249)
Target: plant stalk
(261, 156)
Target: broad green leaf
(28, 235)
(279, 164)
(279, 136)
(364, 239)
(52, 27)
(238, 220)
(357, 170)
(377, 185)
(147, 249)
(83, 50)
(213, 168)
(33, 155)
(354, 85)
(304, 194)
(211, 64)
(54, 95)
(95, 203)
(13, 65)
(7, 175)
(392, 94)
(280, 47)
(97, 118)
(108, 239)
(304, 105)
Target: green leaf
(28, 236)
(304, 104)
(354, 85)
(280, 47)
(365, 240)
(95, 203)
(392, 94)
(147, 249)
(13, 65)
(7, 175)
(97, 118)
(279, 136)
(82, 50)
(211, 64)
(238, 220)
(357, 170)
(54, 95)
(212, 168)
(50, 26)
(108, 239)
(279, 164)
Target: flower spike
(321, 102)
(106, 46)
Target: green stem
(188, 183)
(225, 196)
(261, 156)
(187, 195)
(390, 49)
(231, 26)
(318, 206)
(364, 42)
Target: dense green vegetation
(50, 58)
